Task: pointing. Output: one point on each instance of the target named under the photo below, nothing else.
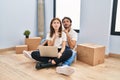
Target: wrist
(60, 52)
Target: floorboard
(17, 67)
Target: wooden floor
(17, 67)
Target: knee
(69, 52)
(34, 54)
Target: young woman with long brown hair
(57, 38)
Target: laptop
(48, 51)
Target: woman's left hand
(59, 55)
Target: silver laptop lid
(48, 51)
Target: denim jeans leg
(71, 59)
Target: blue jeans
(71, 59)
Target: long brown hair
(52, 31)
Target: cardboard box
(20, 48)
(92, 54)
(32, 43)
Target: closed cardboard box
(20, 48)
(92, 54)
(32, 43)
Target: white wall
(115, 44)
(95, 22)
(15, 17)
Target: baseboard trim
(106, 56)
(7, 49)
(114, 55)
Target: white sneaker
(28, 54)
(66, 70)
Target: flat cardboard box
(20, 48)
(32, 43)
(91, 54)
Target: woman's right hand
(55, 36)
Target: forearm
(63, 47)
(71, 43)
(51, 42)
(62, 50)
